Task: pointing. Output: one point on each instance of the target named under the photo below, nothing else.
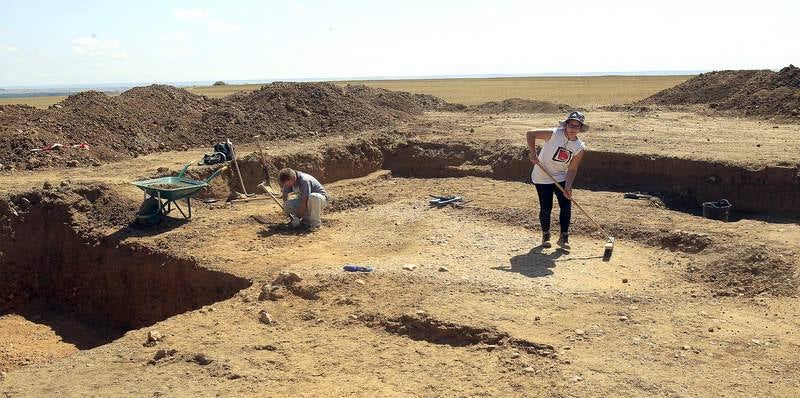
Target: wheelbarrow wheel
(149, 213)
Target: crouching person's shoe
(312, 226)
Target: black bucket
(719, 210)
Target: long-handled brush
(609, 248)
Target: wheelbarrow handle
(216, 173)
(183, 171)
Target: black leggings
(545, 192)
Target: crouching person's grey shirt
(305, 185)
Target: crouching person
(311, 198)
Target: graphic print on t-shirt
(562, 155)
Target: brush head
(609, 249)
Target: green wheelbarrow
(161, 195)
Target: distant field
(580, 91)
(39, 102)
(223, 91)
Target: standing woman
(561, 155)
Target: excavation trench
(683, 184)
(87, 289)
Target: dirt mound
(520, 105)
(350, 202)
(314, 107)
(423, 328)
(159, 118)
(402, 101)
(86, 207)
(749, 271)
(745, 92)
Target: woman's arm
(532, 136)
(572, 171)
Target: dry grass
(39, 102)
(223, 91)
(579, 91)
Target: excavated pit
(54, 271)
(682, 184)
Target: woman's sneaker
(563, 241)
(546, 240)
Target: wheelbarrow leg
(161, 204)
(181, 210)
(161, 211)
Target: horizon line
(185, 83)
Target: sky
(144, 41)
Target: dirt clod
(286, 279)
(265, 318)
(153, 337)
(272, 292)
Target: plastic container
(719, 210)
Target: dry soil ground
(686, 307)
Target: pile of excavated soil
(744, 92)
(349, 202)
(162, 118)
(86, 206)
(749, 271)
(519, 105)
(313, 107)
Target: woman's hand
(534, 158)
(568, 192)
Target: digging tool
(294, 220)
(250, 199)
(264, 164)
(609, 247)
(236, 164)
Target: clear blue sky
(57, 42)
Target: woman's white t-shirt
(556, 155)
